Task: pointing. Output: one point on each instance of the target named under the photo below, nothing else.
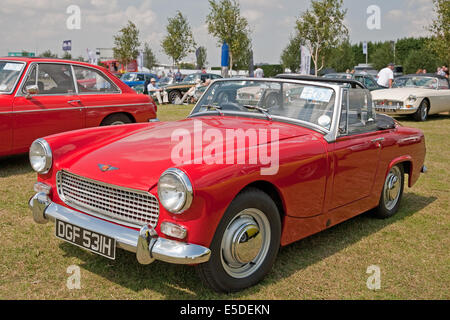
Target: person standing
(178, 76)
(259, 73)
(386, 76)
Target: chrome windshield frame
(329, 134)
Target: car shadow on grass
(182, 283)
(14, 165)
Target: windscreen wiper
(260, 109)
(210, 106)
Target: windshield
(295, 101)
(338, 76)
(128, 77)
(9, 74)
(416, 82)
(190, 78)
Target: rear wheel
(245, 244)
(392, 193)
(422, 113)
(116, 119)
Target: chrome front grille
(123, 205)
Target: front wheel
(392, 193)
(245, 244)
(422, 113)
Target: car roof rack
(295, 76)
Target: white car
(416, 94)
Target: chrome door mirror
(31, 90)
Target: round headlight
(40, 156)
(175, 191)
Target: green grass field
(411, 249)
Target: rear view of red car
(40, 97)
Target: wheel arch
(272, 191)
(129, 115)
(406, 162)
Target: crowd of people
(386, 75)
(442, 71)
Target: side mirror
(31, 90)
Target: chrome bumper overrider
(145, 243)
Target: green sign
(21, 54)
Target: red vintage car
(39, 97)
(226, 187)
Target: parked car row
(418, 95)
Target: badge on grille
(106, 167)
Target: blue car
(133, 79)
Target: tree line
(320, 28)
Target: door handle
(73, 101)
(377, 142)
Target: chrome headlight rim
(182, 177)
(412, 98)
(45, 168)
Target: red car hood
(139, 159)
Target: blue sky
(38, 25)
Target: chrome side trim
(80, 107)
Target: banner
(365, 47)
(67, 45)
(140, 61)
(92, 57)
(305, 61)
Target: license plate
(87, 239)
(385, 109)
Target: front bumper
(145, 243)
(395, 110)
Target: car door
(10, 72)
(443, 95)
(53, 108)
(98, 94)
(356, 151)
(5, 124)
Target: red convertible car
(226, 187)
(39, 97)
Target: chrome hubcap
(245, 243)
(392, 188)
(117, 123)
(424, 112)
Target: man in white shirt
(154, 89)
(386, 76)
(259, 73)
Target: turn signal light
(42, 187)
(173, 230)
